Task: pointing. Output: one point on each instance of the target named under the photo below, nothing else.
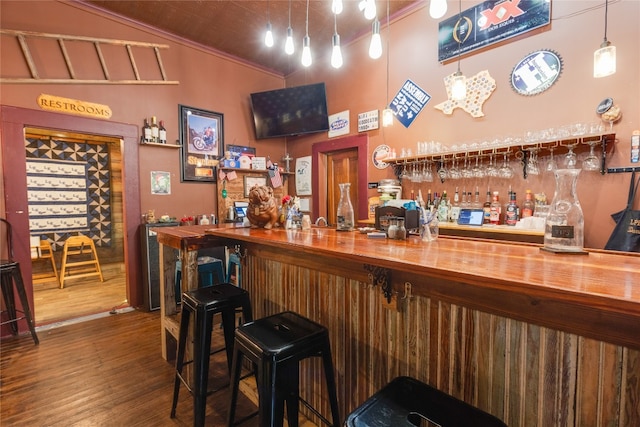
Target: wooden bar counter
(532, 337)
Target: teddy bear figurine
(263, 210)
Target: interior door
(342, 166)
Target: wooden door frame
(319, 152)
(13, 121)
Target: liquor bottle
(528, 205)
(487, 209)
(162, 133)
(443, 208)
(464, 202)
(454, 212)
(154, 130)
(495, 210)
(503, 213)
(146, 131)
(477, 204)
(511, 214)
(429, 200)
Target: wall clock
(536, 72)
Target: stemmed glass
(591, 162)
(492, 168)
(405, 174)
(466, 171)
(478, 170)
(571, 160)
(427, 173)
(532, 164)
(552, 165)
(416, 175)
(506, 171)
(454, 171)
(442, 170)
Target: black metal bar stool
(407, 402)
(11, 275)
(205, 302)
(276, 344)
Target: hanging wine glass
(552, 165)
(506, 171)
(478, 169)
(591, 162)
(532, 163)
(454, 171)
(492, 169)
(570, 159)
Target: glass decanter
(564, 227)
(345, 209)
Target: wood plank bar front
(532, 337)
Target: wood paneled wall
(525, 374)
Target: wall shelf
(521, 151)
(155, 144)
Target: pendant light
(288, 44)
(437, 8)
(268, 37)
(604, 59)
(336, 7)
(336, 53)
(306, 43)
(375, 47)
(369, 8)
(459, 81)
(387, 113)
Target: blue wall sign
(408, 102)
(488, 23)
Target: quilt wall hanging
(69, 190)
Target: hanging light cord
(606, 12)
(289, 13)
(307, 18)
(388, 38)
(459, 17)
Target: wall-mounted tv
(291, 111)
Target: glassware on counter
(564, 226)
(345, 209)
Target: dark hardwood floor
(102, 372)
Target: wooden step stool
(78, 247)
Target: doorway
(335, 161)
(13, 122)
(74, 183)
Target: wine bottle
(146, 131)
(162, 133)
(154, 130)
(487, 209)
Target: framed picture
(201, 143)
(250, 181)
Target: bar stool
(204, 303)
(11, 275)
(207, 267)
(234, 269)
(408, 402)
(276, 344)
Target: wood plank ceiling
(238, 27)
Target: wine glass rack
(522, 152)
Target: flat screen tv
(291, 111)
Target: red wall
(575, 33)
(216, 83)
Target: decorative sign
(536, 72)
(479, 89)
(73, 106)
(368, 121)
(488, 23)
(303, 176)
(408, 102)
(339, 124)
(379, 154)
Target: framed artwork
(250, 181)
(201, 143)
(160, 183)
